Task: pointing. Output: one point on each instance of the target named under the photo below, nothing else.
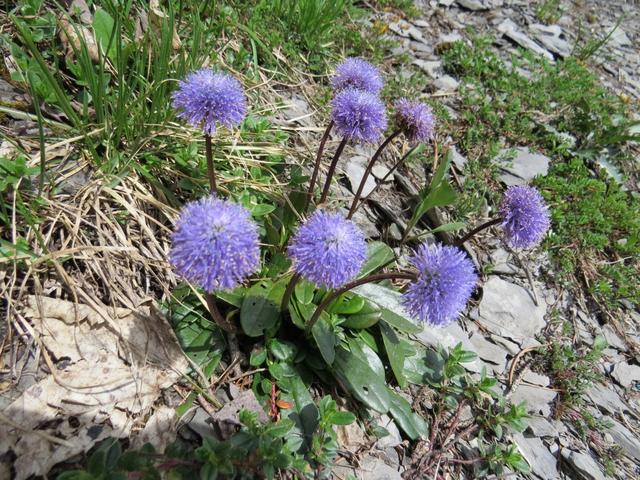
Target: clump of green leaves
(574, 370)
(607, 220)
(548, 11)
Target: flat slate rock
(510, 30)
(479, 5)
(372, 468)
(537, 399)
(523, 168)
(543, 464)
(624, 438)
(584, 465)
(355, 171)
(552, 38)
(508, 310)
(626, 375)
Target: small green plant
(574, 371)
(548, 11)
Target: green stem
(211, 170)
(479, 228)
(332, 169)
(367, 172)
(316, 167)
(289, 291)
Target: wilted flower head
(206, 97)
(328, 250)
(446, 278)
(415, 119)
(359, 115)
(525, 216)
(358, 74)
(215, 244)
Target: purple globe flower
(446, 278)
(358, 74)
(359, 115)
(525, 216)
(215, 244)
(205, 98)
(328, 250)
(415, 119)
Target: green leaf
(325, 339)
(369, 315)
(367, 354)
(378, 254)
(361, 381)
(425, 367)
(282, 350)
(304, 291)
(412, 424)
(439, 192)
(260, 308)
(395, 352)
(233, 297)
(389, 301)
(258, 357)
(104, 28)
(342, 418)
(346, 304)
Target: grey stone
(606, 399)
(626, 375)
(613, 339)
(446, 83)
(394, 438)
(551, 37)
(541, 427)
(523, 168)
(449, 337)
(355, 172)
(458, 159)
(619, 38)
(298, 111)
(542, 462)
(513, 33)
(372, 468)
(501, 263)
(536, 379)
(489, 351)
(537, 399)
(624, 438)
(512, 347)
(479, 5)
(405, 29)
(508, 310)
(584, 465)
(380, 171)
(431, 68)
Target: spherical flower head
(358, 74)
(328, 250)
(415, 119)
(215, 244)
(359, 115)
(445, 280)
(525, 216)
(205, 98)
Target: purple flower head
(446, 278)
(525, 216)
(205, 98)
(328, 250)
(357, 74)
(359, 115)
(415, 119)
(215, 244)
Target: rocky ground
(513, 313)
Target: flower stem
(316, 167)
(222, 322)
(479, 228)
(289, 291)
(332, 169)
(398, 164)
(356, 283)
(367, 171)
(211, 171)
